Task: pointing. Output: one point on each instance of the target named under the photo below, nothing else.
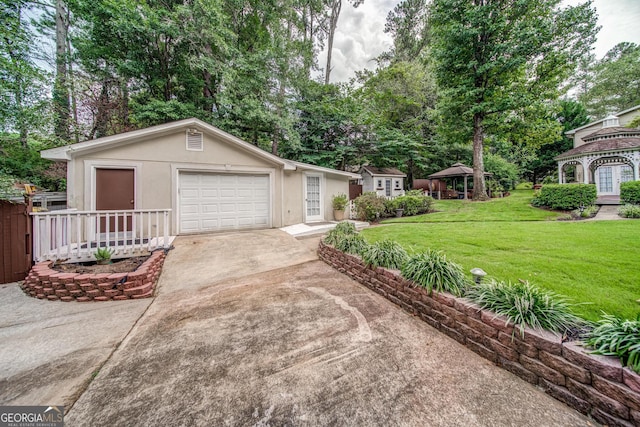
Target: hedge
(565, 196)
(630, 192)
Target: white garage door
(210, 202)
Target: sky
(360, 35)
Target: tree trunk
(60, 89)
(333, 23)
(479, 188)
(72, 91)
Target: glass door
(313, 200)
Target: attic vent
(194, 140)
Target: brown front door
(115, 191)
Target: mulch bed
(125, 265)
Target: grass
(594, 263)
(513, 208)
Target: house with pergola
(605, 153)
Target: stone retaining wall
(595, 385)
(45, 283)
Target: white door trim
(320, 216)
(90, 167)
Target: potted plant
(339, 203)
(103, 255)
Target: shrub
(524, 186)
(630, 192)
(339, 202)
(629, 211)
(414, 202)
(526, 305)
(588, 212)
(369, 206)
(431, 270)
(617, 337)
(352, 244)
(342, 229)
(565, 196)
(385, 253)
(505, 173)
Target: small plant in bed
(385, 253)
(431, 270)
(342, 229)
(629, 211)
(614, 336)
(352, 244)
(103, 255)
(526, 305)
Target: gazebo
(457, 170)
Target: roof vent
(194, 140)
(610, 121)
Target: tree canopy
(463, 79)
(494, 58)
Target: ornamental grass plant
(618, 337)
(352, 244)
(524, 304)
(342, 229)
(385, 253)
(431, 270)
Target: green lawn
(513, 208)
(595, 263)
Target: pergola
(457, 170)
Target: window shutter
(194, 140)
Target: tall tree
(334, 14)
(399, 105)
(615, 81)
(408, 25)
(23, 99)
(494, 57)
(61, 95)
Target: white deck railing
(74, 236)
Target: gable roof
(307, 166)
(628, 110)
(372, 170)
(68, 151)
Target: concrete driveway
(251, 329)
(49, 350)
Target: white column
(585, 171)
(636, 169)
(560, 177)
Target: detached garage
(211, 180)
(215, 202)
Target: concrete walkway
(607, 213)
(239, 338)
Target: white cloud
(619, 21)
(360, 35)
(359, 38)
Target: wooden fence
(15, 241)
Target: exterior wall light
(478, 274)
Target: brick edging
(45, 283)
(595, 385)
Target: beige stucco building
(209, 179)
(605, 152)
